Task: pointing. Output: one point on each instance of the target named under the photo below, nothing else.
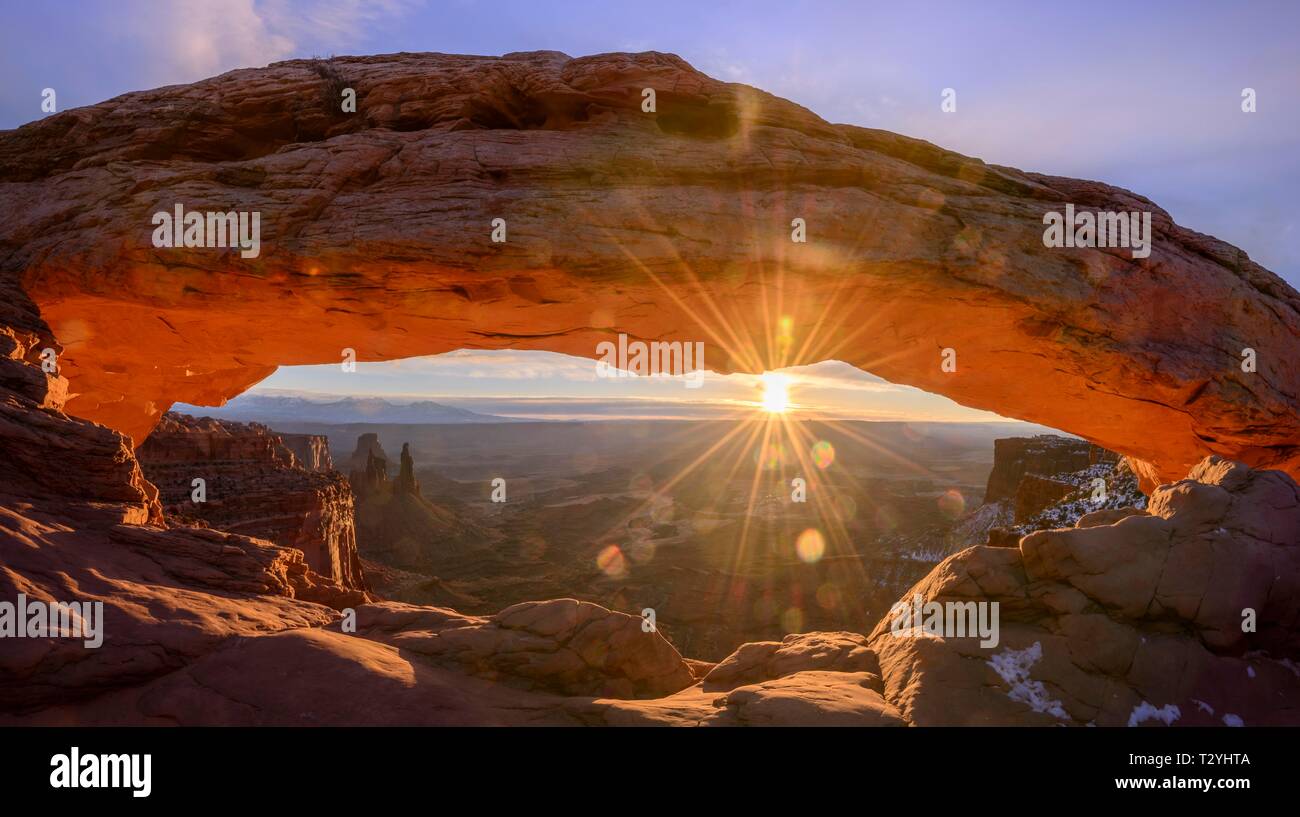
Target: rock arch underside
(672, 225)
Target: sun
(776, 392)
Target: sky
(1143, 95)
(560, 386)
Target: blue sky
(1143, 95)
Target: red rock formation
(673, 225)
(254, 486)
(1059, 481)
(1101, 622)
(395, 523)
(88, 470)
(1045, 455)
(563, 646)
(312, 451)
(406, 483)
(79, 522)
(367, 451)
(1036, 493)
(1124, 609)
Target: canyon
(258, 486)
(668, 226)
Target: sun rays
(776, 392)
(792, 501)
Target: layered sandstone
(312, 451)
(672, 225)
(367, 454)
(563, 646)
(1045, 481)
(254, 485)
(1125, 614)
(79, 522)
(1043, 455)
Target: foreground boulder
(1126, 619)
(1189, 614)
(168, 596)
(563, 646)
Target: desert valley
(616, 513)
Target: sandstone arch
(675, 225)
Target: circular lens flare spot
(886, 520)
(810, 546)
(771, 456)
(611, 562)
(823, 454)
(952, 504)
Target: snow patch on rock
(1013, 666)
(1145, 712)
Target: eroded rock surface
(395, 523)
(1101, 621)
(563, 645)
(675, 225)
(1127, 618)
(255, 485)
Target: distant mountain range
(280, 408)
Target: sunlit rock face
(674, 224)
(395, 523)
(255, 485)
(209, 627)
(1044, 455)
(1125, 613)
(670, 225)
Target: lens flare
(810, 546)
(952, 504)
(641, 552)
(823, 454)
(886, 520)
(771, 456)
(611, 562)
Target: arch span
(674, 224)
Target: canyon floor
(210, 627)
(626, 515)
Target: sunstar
(52, 619)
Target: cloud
(189, 40)
(331, 25)
(508, 364)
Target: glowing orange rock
(376, 237)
